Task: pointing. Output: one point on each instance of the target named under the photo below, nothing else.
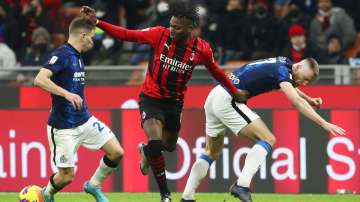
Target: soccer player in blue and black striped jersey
(223, 112)
(70, 123)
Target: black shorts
(168, 111)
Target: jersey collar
(72, 48)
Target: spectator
(7, 61)
(9, 30)
(298, 48)
(281, 8)
(38, 53)
(265, 33)
(296, 15)
(335, 52)
(331, 20)
(136, 12)
(33, 15)
(162, 14)
(234, 32)
(108, 53)
(352, 8)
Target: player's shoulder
(155, 28)
(203, 45)
(60, 54)
(60, 51)
(284, 61)
(203, 42)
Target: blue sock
(265, 145)
(207, 158)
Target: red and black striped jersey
(171, 63)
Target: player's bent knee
(170, 147)
(118, 154)
(214, 155)
(271, 139)
(67, 177)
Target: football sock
(198, 172)
(157, 162)
(51, 189)
(105, 168)
(253, 160)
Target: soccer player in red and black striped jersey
(175, 53)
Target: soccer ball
(31, 193)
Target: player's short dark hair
(79, 24)
(314, 65)
(185, 9)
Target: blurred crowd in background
(238, 30)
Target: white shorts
(64, 143)
(222, 111)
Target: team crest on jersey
(53, 60)
(192, 56)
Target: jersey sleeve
(56, 62)
(208, 60)
(283, 74)
(149, 35)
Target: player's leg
(153, 153)
(113, 154)
(63, 144)
(96, 135)
(153, 118)
(237, 117)
(215, 131)
(257, 129)
(169, 140)
(201, 166)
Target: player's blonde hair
(81, 24)
(313, 65)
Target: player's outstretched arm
(315, 102)
(43, 81)
(304, 107)
(138, 36)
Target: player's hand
(333, 129)
(75, 100)
(241, 96)
(90, 13)
(316, 102)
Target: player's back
(262, 76)
(68, 72)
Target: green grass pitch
(201, 197)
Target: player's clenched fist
(316, 102)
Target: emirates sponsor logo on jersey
(174, 65)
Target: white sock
(101, 173)
(198, 172)
(50, 190)
(253, 160)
